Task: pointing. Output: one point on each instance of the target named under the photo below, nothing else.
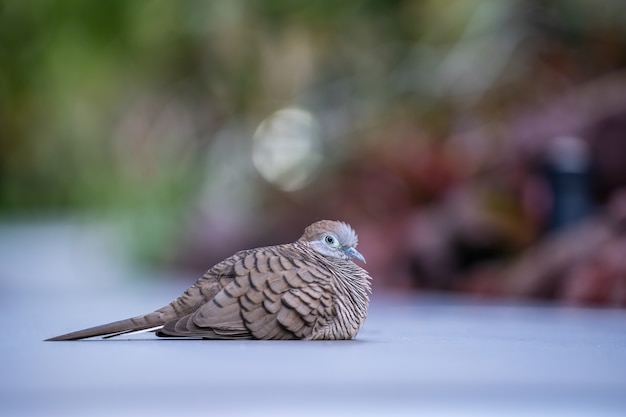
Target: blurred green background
(475, 145)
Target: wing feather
(265, 294)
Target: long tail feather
(116, 328)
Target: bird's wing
(268, 293)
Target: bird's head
(333, 239)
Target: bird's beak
(353, 253)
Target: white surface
(416, 355)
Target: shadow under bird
(309, 289)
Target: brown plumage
(309, 289)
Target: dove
(310, 289)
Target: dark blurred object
(568, 175)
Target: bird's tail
(151, 321)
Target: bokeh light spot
(286, 148)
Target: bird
(310, 289)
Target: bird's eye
(330, 240)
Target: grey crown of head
(346, 235)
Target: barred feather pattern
(289, 291)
